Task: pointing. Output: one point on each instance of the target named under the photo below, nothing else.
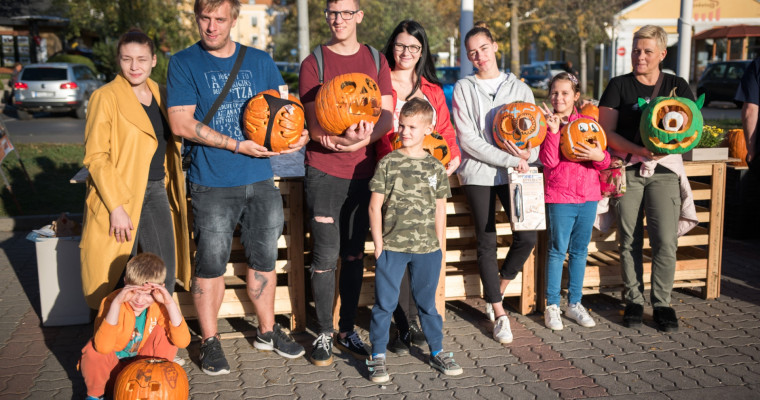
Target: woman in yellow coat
(135, 193)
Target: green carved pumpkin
(663, 127)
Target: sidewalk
(715, 354)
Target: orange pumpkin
(433, 143)
(737, 146)
(582, 130)
(520, 123)
(346, 100)
(273, 122)
(151, 378)
(590, 110)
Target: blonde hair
(145, 268)
(653, 32)
(203, 5)
(417, 106)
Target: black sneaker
(321, 354)
(377, 371)
(279, 342)
(418, 337)
(445, 363)
(400, 344)
(213, 361)
(353, 344)
(633, 316)
(666, 319)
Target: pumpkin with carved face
(520, 123)
(433, 143)
(582, 130)
(346, 100)
(273, 122)
(151, 379)
(671, 125)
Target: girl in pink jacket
(572, 191)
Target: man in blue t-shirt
(230, 178)
(749, 94)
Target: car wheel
(24, 115)
(81, 112)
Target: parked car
(448, 77)
(55, 87)
(721, 79)
(540, 73)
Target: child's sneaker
(552, 319)
(353, 344)
(580, 315)
(417, 336)
(279, 342)
(445, 363)
(213, 361)
(377, 371)
(321, 354)
(501, 330)
(94, 398)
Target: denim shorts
(257, 207)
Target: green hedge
(73, 58)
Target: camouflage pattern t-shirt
(411, 187)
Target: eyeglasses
(346, 15)
(413, 49)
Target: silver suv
(54, 87)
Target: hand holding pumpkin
(587, 153)
(515, 151)
(253, 149)
(293, 147)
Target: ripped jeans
(346, 202)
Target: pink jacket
(567, 181)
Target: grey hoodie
(483, 163)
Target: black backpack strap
(227, 86)
(317, 52)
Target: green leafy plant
(712, 136)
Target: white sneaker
(501, 331)
(552, 319)
(179, 361)
(580, 315)
(490, 313)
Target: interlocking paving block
(645, 366)
(657, 381)
(633, 358)
(702, 377)
(455, 382)
(725, 392)
(431, 381)
(371, 390)
(744, 373)
(589, 366)
(694, 357)
(582, 353)
(560, 374)
(612, 384)
(541, 390)
(550, 365)
(417, 396)
(333, 389)
(635, 383)
(723, 376)
(491, 392)
(406, 383)
(269, 391)
(680, 380)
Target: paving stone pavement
(715, 354)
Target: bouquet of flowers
(712, 136)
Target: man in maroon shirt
(338, 170)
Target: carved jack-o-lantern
(671, 125)
(346, 100)
(520, 123)
(590, 110)
(273, 122)
(581, 130)
(151, 378)
(433, 143)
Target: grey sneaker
(552, 319)
(445, 363)
(353, 344)
(377, 371)
(580, 315)
(213, 361)
(279, 342)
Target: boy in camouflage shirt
(407, 218)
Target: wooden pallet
(699, 251)
(289, 294)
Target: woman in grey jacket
(483, 171)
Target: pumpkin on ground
(520, 123)
(737, 146)
(590, 110)
(151, 378)
(582, 130)
(433, 143)
(346, 100)
(671, 125)
(273, 122)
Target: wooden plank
(715, 247)
(235, 303)
(694, 168)
(700, 191)
(296, 275)
(462, 286)
(458, 232)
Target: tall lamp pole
(465, 24)
(684, 38)
(303, 29)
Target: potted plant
(709, 145)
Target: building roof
(733, 31)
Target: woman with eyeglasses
(413, 76)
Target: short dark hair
(417, 106)
(479, 27)
(135, 35)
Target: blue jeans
(424, 270)
(570, 227)
(257, 207)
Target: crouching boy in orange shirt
(139, 320)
